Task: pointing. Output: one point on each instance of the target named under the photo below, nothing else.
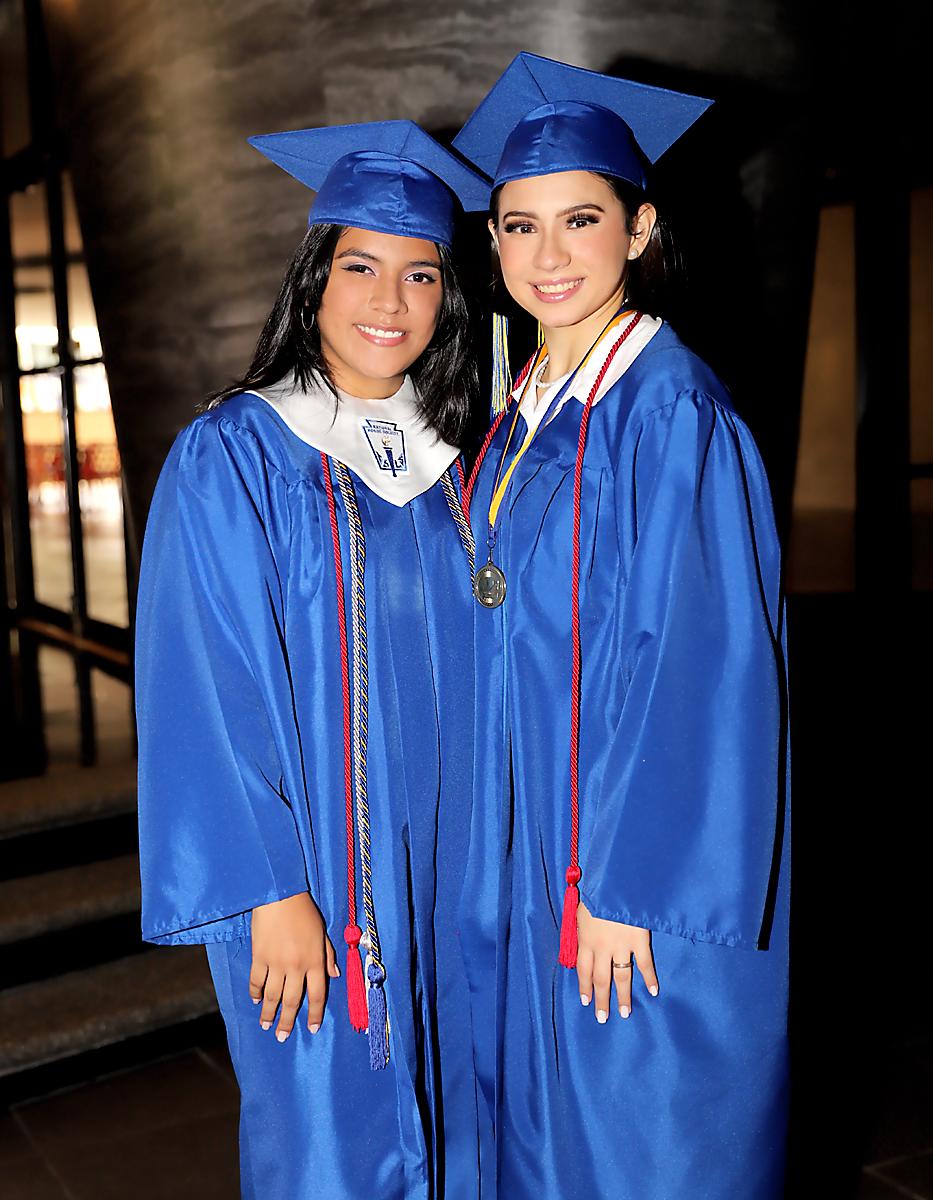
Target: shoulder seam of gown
(226, 420)
(681, 392)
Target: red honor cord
(356, 988)
(568, 928)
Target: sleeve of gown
(214, 707)
(687, 821)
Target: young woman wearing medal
(305, 689)
(631, 817)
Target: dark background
(802, 206)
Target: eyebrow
(563, 212)
(415, 262)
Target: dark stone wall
(187, 229)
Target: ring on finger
(622, 966)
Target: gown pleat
(242, 796)
(684, 809)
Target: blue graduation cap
(388, 176)
(542, 117)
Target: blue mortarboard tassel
(542, 117)
(388, 176)
(378, 1019)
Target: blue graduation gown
(241, 794)
(683, 808)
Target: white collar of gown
(630, 349)
(385, 442)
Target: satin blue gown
(684, 810)
(241, 795)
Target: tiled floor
(164, 1130)
(900, 1151)
(168, 1130)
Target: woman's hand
(291, 952)
(604, 956)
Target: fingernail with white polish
(265, 1024)
(255, 1001)
(314, 1028)
(584, 1000)
(653, 989)
(602, 1016)
(624, 1011)
(281, 1036)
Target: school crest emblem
(387, 443)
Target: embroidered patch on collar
(387, 443)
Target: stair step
(41, 904)
(61, 798)
(84, 1010)
(74, 949)
(66, 818)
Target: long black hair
(650, 277)
(445, 376)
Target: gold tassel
(540, 335)
(501, 372)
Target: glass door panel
(101, 498)
(41, 404)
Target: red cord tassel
(356, 988)
(568, 925)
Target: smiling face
(379, 310)
(564, 246)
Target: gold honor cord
(456, 511)
(489, 583)
(502, 487)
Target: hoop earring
(307, 328)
